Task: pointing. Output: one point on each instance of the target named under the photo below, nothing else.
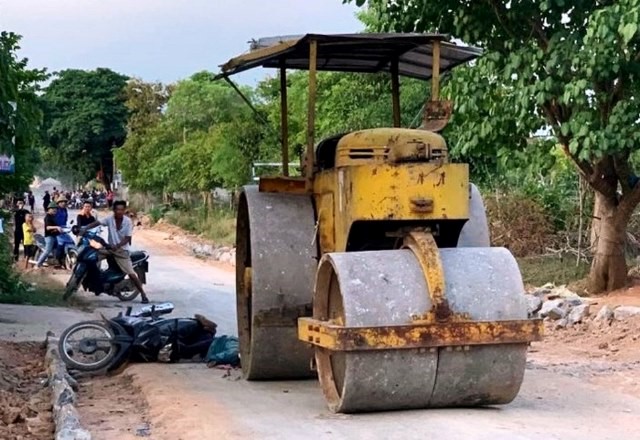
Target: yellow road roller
(373, 270)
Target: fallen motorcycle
(112, 281)
(139, 335)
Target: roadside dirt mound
(25, 403)
(617, 342)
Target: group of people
(119, 226)
(56, 218)
(77, 198)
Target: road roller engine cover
(373, 269)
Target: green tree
(193, 136)
(20, 113)
(145, 103)
(572, 63)
(85, 119)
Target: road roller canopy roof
(365, 52)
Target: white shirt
(117, 235)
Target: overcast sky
(163, 40)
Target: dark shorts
(29, 250)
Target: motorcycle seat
(137, 256)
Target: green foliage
(557, 269)
(85, 116)
(216, 224)
(193, 136)
(20, 114)
(10, 284)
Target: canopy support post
(311, 115)
(435, 72)
(395, 93)
(284, 119)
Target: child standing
(28, 229)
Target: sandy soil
(25, 401)
(113, 408)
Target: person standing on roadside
(86, 215)
(51, 231)
(28, 241)
(32, 201)
(120, 228)
(46, 201)
(18, 220)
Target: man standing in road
(18, 221)
(120, 228)
(62, 217)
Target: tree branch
(623, 171)
(629, 201)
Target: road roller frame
(385, 190)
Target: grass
(562, 269)
(36, 291)
(218, 225)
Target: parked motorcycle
(112, 281)
(65, 240)
(134, 336)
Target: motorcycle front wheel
(71, 258)
(88, 346)
(71, 287)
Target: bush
(15, 290)
(557, 269)
(218, 224)
(518, 223)
(10, 284)
(157, 212)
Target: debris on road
(25, 400)
(623, 312)
(566, 308)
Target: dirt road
(572, 397)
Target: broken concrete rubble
(605, 315)
(623, 312)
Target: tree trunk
(609, 266)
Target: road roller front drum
(381, 345)
(276, 262)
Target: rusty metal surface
(289, 185)
(377, 288)
(458, 334)
(388, 288)
(274, 240)
(425, 249)
(485, 284)
(311, 112)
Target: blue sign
(7, 164)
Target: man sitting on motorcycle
(120, 228)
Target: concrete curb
(63, 388)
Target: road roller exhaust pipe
(419, 327)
